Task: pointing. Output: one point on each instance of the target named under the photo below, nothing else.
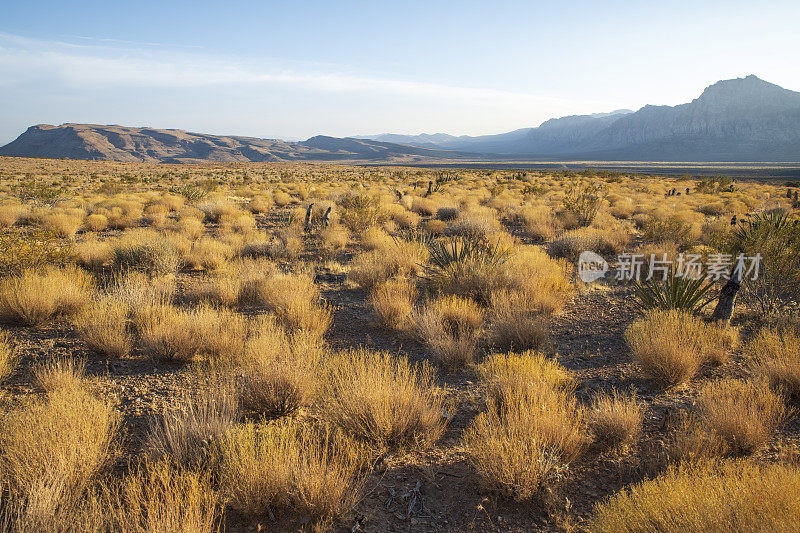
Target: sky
(294, 69)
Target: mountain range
(742, 119)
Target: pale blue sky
(299, 68)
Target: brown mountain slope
(121, 143)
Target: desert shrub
(737, 496)
(571, 244)
(191, 227)
(358, 211)
(776, 355)
(714, 209)
(188, 432)
(214, 210)
(103, 326)
(93, 254)
(260, 204)
(673, 228)
(242, 223)
(208, 253)
(384, 399)
(583, 200)
(33, 298)
(31, 250)
(527, 433)
(171, 333)
(515, 323)
(371, 268)
(674, 292)
(432, 227)
(464, 266)
(8, 355)
(539, 222)
(60, 373)
(670, 345)
(742, 413)
(222, 289)
(9, 214)
(776, 237)
(62, 224)
(376, 239)
(284, 463)
(475, 225)
(509, 375)
(146, 251)
(294, 299)
(333, 240)
(52, 447)
(162, 497)
(281, 371)
(540, 283)
(615, 419)
(451, 326)
(393, 303)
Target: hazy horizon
(290, 70)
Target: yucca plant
(776, 237)
(463, 265)
(674, 292)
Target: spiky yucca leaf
(675, 292)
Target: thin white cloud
(97, 65)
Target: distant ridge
(122, 143)
(742, 119)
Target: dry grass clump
(190, 227)
(698, 498)
(515, 375)
(8, 355)
(60, 374)
(538, 222)
(744, 414)
(294, 299)
(286, 464)
(164, 498)
(216, 209)
(144, 250)
(260, 204)
(33, 298)
(513, 325)
(529, 430)
(384, 399)
(281, 371)
(541, 284)
(671, 345)
(172, 333)
(52, 447)
(393, 303)
(188, 432)
(207, 253)
(451, 326)
(401, 258)
(615, 419)
(62, 224)
(333, 240)
(103, 326)
(223, 288)
(374, 238)
(93, 254)
(9, 214)
(776, 355)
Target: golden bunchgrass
(706, 497)
(671, 345)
